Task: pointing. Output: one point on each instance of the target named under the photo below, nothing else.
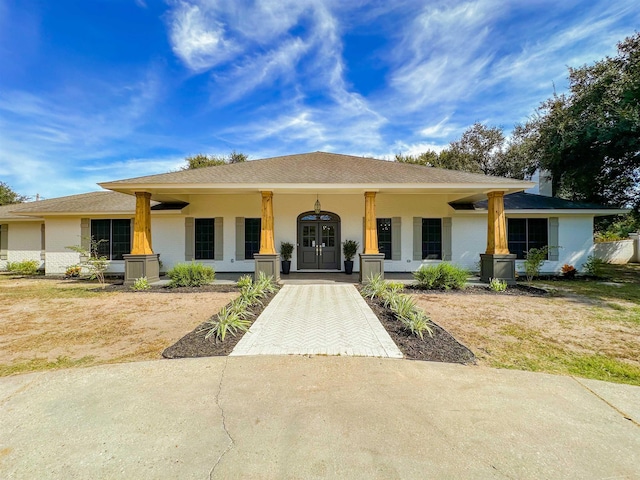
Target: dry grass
(585, 328)
(48, 324)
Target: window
(251, 237)
(205, 238)
(384, 237)
(113, 237)
(432, 238)
(526, 233)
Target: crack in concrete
(620, 412)
(224, 422)
(20, 390)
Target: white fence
(621, 251)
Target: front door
(319, 241)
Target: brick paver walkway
(318, 320)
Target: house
(234, 217)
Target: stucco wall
(620, 252)
(61, 233)
(24, 243)
(469, 231)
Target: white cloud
(198, 38)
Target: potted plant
(286, 250)
(349, 249)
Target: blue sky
(99, 90)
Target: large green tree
(8, 196)
(201, 160)
(589, 138)
(483, 149)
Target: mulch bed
(165, 289)
(513, 290)
(441, 347)
(193, 344)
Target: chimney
(544, 186)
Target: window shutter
(364, 229)
(4, 241)
(446, 239)
(42, 242)
(133, 223)
(417, 238)
(396, 238)
(553, 239)
(218, 237)
(189, 241)
(239, 238)
(85, 233)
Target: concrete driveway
(314, 417)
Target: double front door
(318, 245)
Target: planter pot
(348, 267)
(286, 266)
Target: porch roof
(102, 202)
(315, 171)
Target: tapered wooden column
(267, 243)
(497, 225)
(142, 225)
(141, 262)
(371, 260)
(370, 227)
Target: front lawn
(585, 328)
(49, 324)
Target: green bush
(594, 266)
(417, 322)
(190, 275)
(497, 285)
(233, 317)
(375, 287)
(535, 257)
(26, 267)
(444, 276)
(141, 284)
(230, 319)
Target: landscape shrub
(402, 306)
(594, 266)
(375, 287)
(234, 317)
(535, 257)
(140, 285)
(26, 267)
(190, 275)
(96, 264)
(497, 285)
(73, 271)
(444, 276)
(569, 271)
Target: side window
(524, 234)
(251, 237)
(112, 236)
(204, 239)
(432, 238)
(384, 237)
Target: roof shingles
(316, 168)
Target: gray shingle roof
(95, 202)
(316, 168)
(530, 201)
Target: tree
(480, 149)
(201, 160)
(9, 197)
(590, 138)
